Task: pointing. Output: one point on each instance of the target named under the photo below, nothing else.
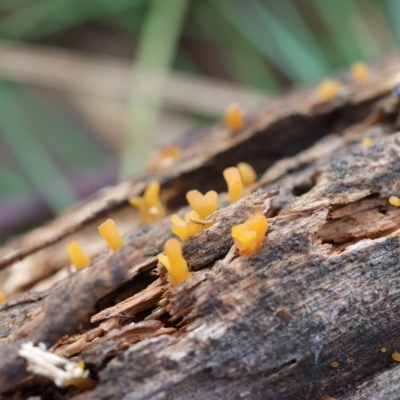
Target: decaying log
(321, 289)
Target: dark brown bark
(322, 288)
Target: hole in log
(304, 187)
(369, 218)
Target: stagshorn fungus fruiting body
(205, 204)
(247, 173)
(174, 262)
(360, 72)
(77, 257)
(394, 201)
(234, 118)
(396, 356)
(150, 206)
(328, 89)
(367, 142)
(234, 182)
(108, 230)
(188, 227)
(250, 235)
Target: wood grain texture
(340, 302)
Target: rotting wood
(131, 306)
(73, 301)
(286, 126)
(322, 288)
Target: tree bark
(321, 289)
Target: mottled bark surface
(322, 288)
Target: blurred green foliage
(264, 44)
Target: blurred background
(89, 87)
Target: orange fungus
(110, 234)
(249, 235)
(174, 262)
(78, 258)
(150, 206)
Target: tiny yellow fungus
(190, 226)
(81, 382)
(360, 72)
(394, 201)
(396, 356)
(2, 297)
(164, 158)
(150, 207)
(249, 235)
(170, 151)
(110, 234)
(247, 173)
(204, 205)
(328, 398)
(328, 89)
(173, 261)
(334, 364)
(235, 184)
(234, 118)
(383, 350)
(367, 142)
(78, 258)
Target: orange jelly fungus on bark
(394, 201)
(367, 142)
(170, 151)
(247, 173)
(110, 234)
(396, 356)
(84, 383)
(234, 118)
(334, 364)
(235, 184)
(360, 72)
(249, 235)
(173, 261)
(78, 258)
(205, 204)
(328, 89)
(187, 228)
(383, 350)
(2, 297)
(150, 207)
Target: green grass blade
(392, 12)
(367, 38)
(50, 16)
(292, 19)
(245, 62)
(305, 64)
(58, 133)
(336, 17)
(250, 25)
(10, 182)
(34, 161)
(156, 50)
